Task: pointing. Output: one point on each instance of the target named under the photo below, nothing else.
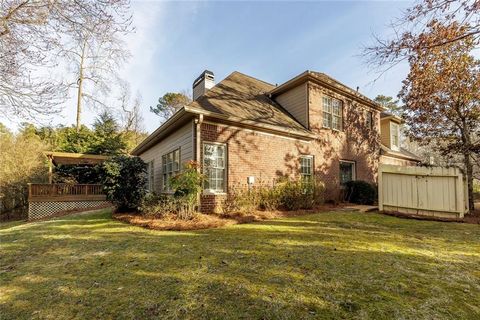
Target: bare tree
(131, 116)
(31, 32)
(94, 55)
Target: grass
(320, 266)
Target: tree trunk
(80, 87)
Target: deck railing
(65, 192)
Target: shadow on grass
(345, 265)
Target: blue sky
(274, 41)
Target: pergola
(67, 158)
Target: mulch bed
(207, 221)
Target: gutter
(309, 76)
(249, 123)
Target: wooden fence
(65, 192)
(430, 191)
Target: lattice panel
(40, 210)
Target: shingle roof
(245, 97)
(402, 153)
(326, 78)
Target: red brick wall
(268, 157)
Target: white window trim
(164, 190)
(312, 162)
(151, 176)
(392, 126)
(332, 114)
(225, 173)
(354, 171)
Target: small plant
(360, 192)
(187, 186)
(124, 181)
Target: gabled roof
(327, 82)
(245, 98)
(238, 99)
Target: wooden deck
(65, 192)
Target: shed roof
(75, 158)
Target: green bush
(124, 181)
(360, 192)
(81, 173)
(186, 187)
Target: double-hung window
(214, 164)
(170, 167)
(347, 171)
(332, 113)
(151, 176)
(306, 167)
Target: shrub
(158, 206)
(187, 186)
(184, 200)
(288, 195)
(83, 174)
(240, 199)
(124, 181)
(301, 194)
(360, 192)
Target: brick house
(244, 130)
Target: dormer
(390, 130)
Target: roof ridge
(251, 77)
(342, 84)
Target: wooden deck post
(50, 170)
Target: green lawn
(327, 265)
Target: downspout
(198, 149)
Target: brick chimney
(203, 83)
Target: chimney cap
(202, 76)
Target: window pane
(214, 164)
(327, 120)
(335, 123)
(306, 166)
(346, 172)
(336, 108)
